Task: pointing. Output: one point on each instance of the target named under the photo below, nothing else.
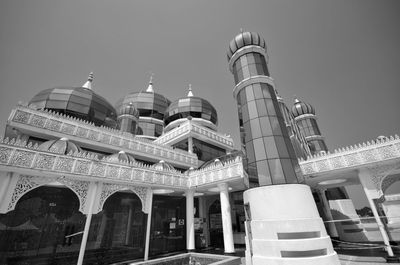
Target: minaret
(304, 115)
(270, 155)
(279, 218)
(128, 118)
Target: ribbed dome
(190, 106)
(80, 102)
(245, 39)
(148, 103)
(60, 146)
(128, 109)
(121, 156)
(162, 165)
(301, 108)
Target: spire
(296, 100)
(190, 93)
(89, 81)
(150, 87)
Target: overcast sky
(340, 56)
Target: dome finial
(296, 100)
(150, 87)
(190, 93)
(89, 81)
(241, 30)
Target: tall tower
(279, 218)
(270, 155)
(304, 115)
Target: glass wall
(250, 64)
(270, 154)
(168, 227)
(118, 232)
(45, 228)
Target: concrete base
(284, 227)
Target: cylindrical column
(148, 228)
(226, 218)
(87, 223)
(270, 155)
(328, 214)
(284, 230)
(190, 220)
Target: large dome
(245, 39)
(80, 102)
(191, 106)
(300, 108)
(148, 103)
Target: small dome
(186, 173)
(121, 156)
(190, 107)
(300, 108)
(60, 146)
(80, 102)
(128, 109)
(162, 165)
(245, 39)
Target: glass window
(265, 125)
(270, 107)
(43, 226)
(249, 93)
(261, 108)
(247, 129)
(257, 91)
(255, 128)
(246, 72)
(270, 147)
(289, 171)
(276, 171)
(264, 177)
(250, 152)
(276, 128)
(250, 58)
(259, 150)
(282, 148)
(252, 110)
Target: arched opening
(216, 230)
(44, 228)
(390, 205)
(118, 232)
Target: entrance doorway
(215, 224)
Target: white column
(328, 213)
(190, 145)
(147, 244)
(367, 184)
(88, 220)
(190, 220)
(226, 218)
(5, 179)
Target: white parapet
(283, 227)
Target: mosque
(86, 182)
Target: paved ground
(346, 257)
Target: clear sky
(341, 56)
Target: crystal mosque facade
(86, 182)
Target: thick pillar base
(284, 227)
